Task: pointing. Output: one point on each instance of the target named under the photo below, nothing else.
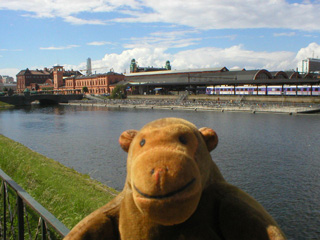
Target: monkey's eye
(142, 142)
(183, 140)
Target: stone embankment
(206, 104)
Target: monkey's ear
(210, 137)
(126, 138)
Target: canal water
(273, 157)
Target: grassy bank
(5, 105)
(67, 194)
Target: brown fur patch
(274, 233)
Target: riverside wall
(252, 104)
(244, 98)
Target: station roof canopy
(216, 76)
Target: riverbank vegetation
(119, 92)
(67, 194)
(5, 105)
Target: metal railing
(20, 215)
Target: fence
(17, 219)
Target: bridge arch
(48, 102)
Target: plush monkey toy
(174, 190)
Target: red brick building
(42, 79)
(96, 84)
(26, 78)
(59, 80)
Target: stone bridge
(20, 100)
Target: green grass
(67, 194)
(5, 105)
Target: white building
(311, 65)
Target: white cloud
(59, 48)
(235, 57)
(11, 50)
(285, 34)
(311, 51)
(202, 14)
(97, 43)
(160, 42)
(230, 37)
(216, 14)
(173, 34)
(310, 36)
(79, 21)
(67, 9)
(174, 39)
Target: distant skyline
(255, 34)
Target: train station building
(197, 80)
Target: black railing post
(43, 229)
(24, 199)
(20, 218)
(4, 211)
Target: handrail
(24, 197)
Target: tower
(57, 76)
(133, 66)
(168, 66)
(89, 69)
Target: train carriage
(271, 90)
(316, 90)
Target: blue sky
(251, 34)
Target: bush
(119, 92)
(10, 92)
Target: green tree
(119, 92)
(10, 92)
(85, 89)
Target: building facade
(96, 84)
(43, 79)
(27, 77)
(61, 81)
(311, 65)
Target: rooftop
(198, 70)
